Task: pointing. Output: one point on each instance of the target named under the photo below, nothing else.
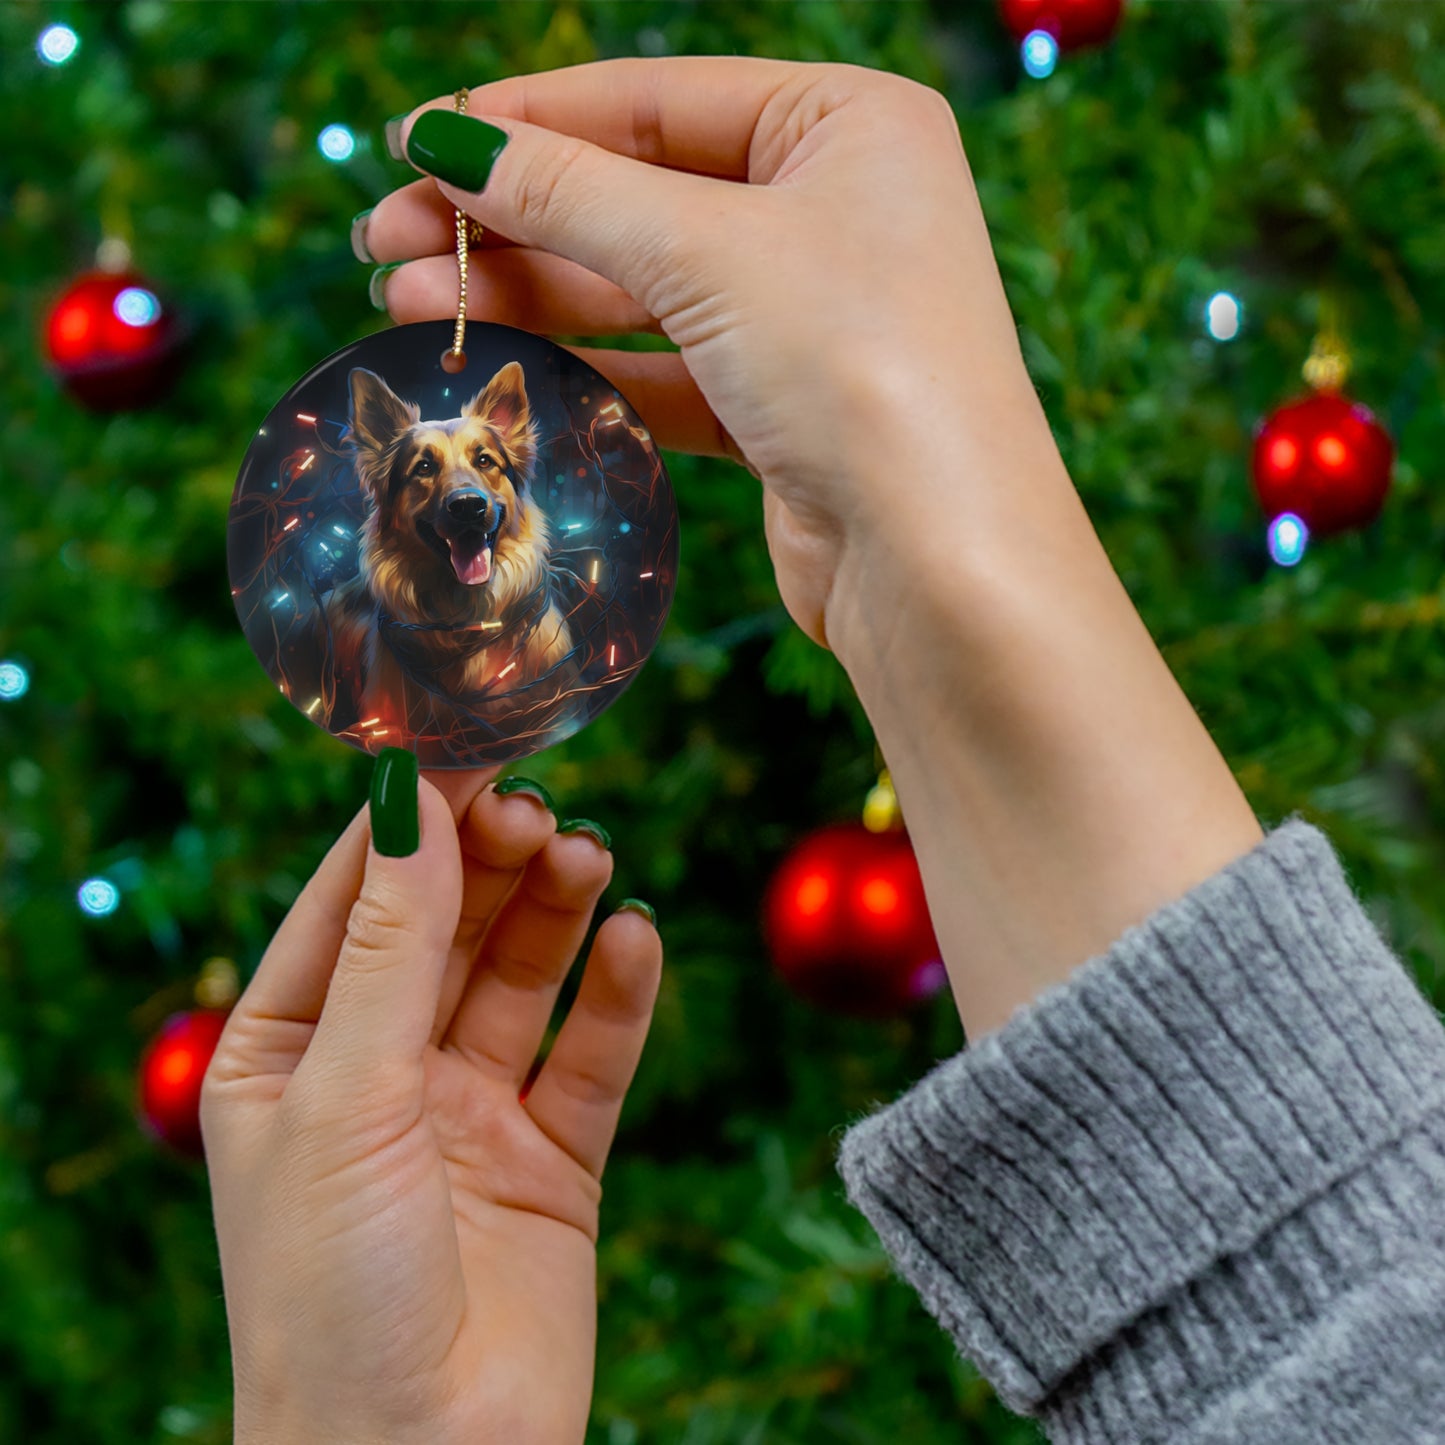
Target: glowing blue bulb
(1223, 316)
(14, 681)
(1288, 538)
(137, 306)
(624, 527)
(336, 143)
(98, 897)
(1040, 53)
(57, 44)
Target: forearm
(1057, 784)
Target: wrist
(1056, 782)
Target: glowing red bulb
(172, 1071)
(1324, 458)
(112, 340)
(847, 924)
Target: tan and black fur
(419, 645)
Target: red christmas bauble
(112, 341)
(1073, 23)
(847, 924)
(171, 1071)
(1324, 458)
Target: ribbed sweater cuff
(1168, 1151)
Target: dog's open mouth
(470, 551)
(471, 554)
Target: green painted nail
(529, 786)
(455, 148)
(636, 905)
(586, 825)
(376, 289)
(358, 236)
(393, 136)
(395, 820)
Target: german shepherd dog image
(450, 633)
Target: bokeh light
(336, 143)
(57, 44)
(137, 307)
(1288, 538)
(1040, 52)
(98, 897)
(813, 893)
(14, 681)
(1223, 316)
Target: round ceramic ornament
(467, 555)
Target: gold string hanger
(469, 233)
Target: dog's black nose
(467, 506)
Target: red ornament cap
(1326, 459)
(847, 923)
(112, 340)
(171, 1072)
(1073, 23)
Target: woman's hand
(842, 325)
(407, 1245)
(810, 237)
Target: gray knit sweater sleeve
(1196, 1192)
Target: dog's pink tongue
(474, 569)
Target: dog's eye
(424, 468)
(484, 461)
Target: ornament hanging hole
(453, 361)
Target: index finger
(696, 113)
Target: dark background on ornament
(1267, 150)
(591, 470)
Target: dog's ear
(378, 414)
(502, 403)
(503, 400)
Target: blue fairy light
(1223, 316)
(624, 527)
(336, 143)
(57, 44)
(1040, 52)
(14, 681)
(98, 897)
(1288, 538)
(136, 306)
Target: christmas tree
(161, 803)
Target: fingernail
(393, 136)
(376, 289)
(528, 786)
(636, 905)
(395, 820)
(586, 825)
(455, 148)
(359, 247)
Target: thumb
(382, 999)
(630, 222)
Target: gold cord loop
(469, 233)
